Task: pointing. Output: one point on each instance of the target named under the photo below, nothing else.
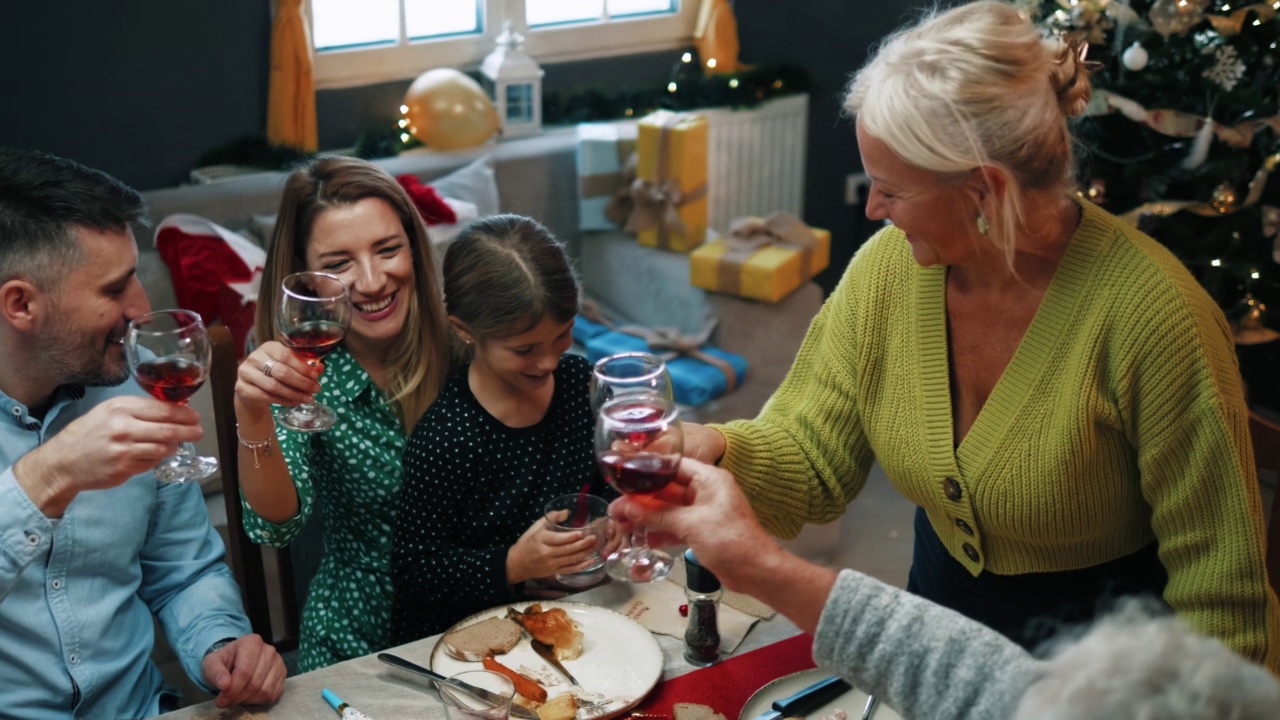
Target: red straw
(580, 514)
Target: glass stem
(640, 540)
(186, 451)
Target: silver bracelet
(255, 445)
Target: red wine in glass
(314, 340)
(639, 440)
(172, 379)
(312, 317)
(169, 353)
(639, 473)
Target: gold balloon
(448, 110)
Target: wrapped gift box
(670, 194)
(606, 166)
(584, 329)
(762, 259)
(694, 382)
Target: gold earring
(982, 224)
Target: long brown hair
(418, 360)
(503, 274)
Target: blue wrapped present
(584, 329)
(698, 373)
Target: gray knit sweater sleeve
(919, 658)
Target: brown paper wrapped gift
(670, 190)
(761, 258)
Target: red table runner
(727, 685)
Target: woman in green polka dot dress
(511, 430)
(349, 218)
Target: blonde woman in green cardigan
(1050, 386)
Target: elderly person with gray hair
(926, 661)
(1050, 386)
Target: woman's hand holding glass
(313, 317)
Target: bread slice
(560, 707)
(553, 627)
(493, 636)
(694, 711)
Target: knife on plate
(486, 695)
(806, 700)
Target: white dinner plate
(620, 661)
(852, 702)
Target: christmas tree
(1182, 138)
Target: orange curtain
(291, 101)
(716, 36)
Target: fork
(870, 708)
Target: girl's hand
(542, 552)
(274, 375)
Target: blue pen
(346, 711)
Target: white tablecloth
(384, 693)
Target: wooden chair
(245, 557)
(1266, 453)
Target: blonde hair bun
(1069, 76)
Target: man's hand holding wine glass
(119, 438)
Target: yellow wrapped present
(761, 258)
(670, 189)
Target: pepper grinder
(702, 637)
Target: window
(360, 42)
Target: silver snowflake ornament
(1227, 67)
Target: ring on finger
(267, 367)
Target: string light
(404, 122)
(733, 83)
(1215, 262)
(404, 137)
(711, 62)
(404, 109)
(671, 87)
(687, 57)
(1255, 274)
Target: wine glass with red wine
(639, 440)
(626, 373)
(169, 354)
(313, 317)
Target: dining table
(773, 648)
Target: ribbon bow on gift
(749, 234)
(618, 209)
(668, 343)
(656, 203)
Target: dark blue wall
(142, 88)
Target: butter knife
(485, 695)
(549, 654)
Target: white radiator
(756, 160)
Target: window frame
(577, 41)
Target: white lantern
(514, 81)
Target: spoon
(547, 653)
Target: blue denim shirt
(77, 594)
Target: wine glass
(639, 440)
(169, 353)
(625, 373)
(313, 317)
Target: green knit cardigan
(1119, 420)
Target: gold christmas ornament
(1225, 199)
(448, 110)
(1175, 17)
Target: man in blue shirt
(91, 544)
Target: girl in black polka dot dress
(511, 430)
